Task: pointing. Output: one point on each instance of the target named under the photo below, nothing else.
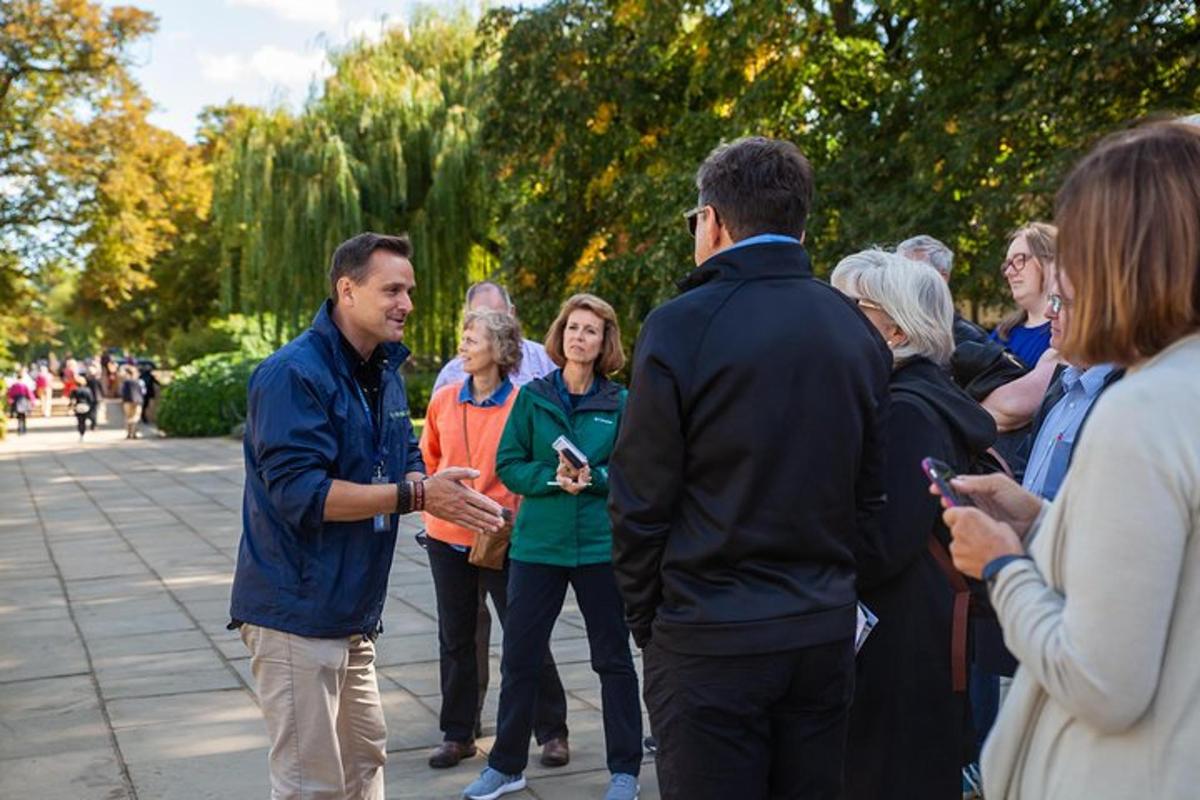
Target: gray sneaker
(972, 783)
(492, 783)
(622, 787)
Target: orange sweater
(443, 444)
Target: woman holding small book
(563, 536)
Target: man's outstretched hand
(446, 498)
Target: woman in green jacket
(563, 536)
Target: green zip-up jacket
(553, 526)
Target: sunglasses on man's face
(693, 216)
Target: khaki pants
(324, 717)
(133, 415)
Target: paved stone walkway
(117, 676)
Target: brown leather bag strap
(958, 624)
(467, 440)
(994, 453)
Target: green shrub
(420, 390)
(234, 333)
(208, 396)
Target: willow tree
(391, 146)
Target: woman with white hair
(910, 724)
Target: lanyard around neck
(376, 430)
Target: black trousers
(81, 421)
(457, 584)
(535, 598)
(752, 726)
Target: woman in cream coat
(1103, 611)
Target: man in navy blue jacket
(331, 463)
(749, 464)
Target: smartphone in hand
(940, 474)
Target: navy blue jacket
(305, 426)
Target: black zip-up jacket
(750, 459)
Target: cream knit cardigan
(1105, 620)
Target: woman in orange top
(462, 428)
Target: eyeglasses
(1057, 303)
(1017, 263)
(871, 304)
(694, 214)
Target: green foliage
(208, 396)
(419, 386)
(553, 146)
(62, 63)
(952, 119)
(147, 232)
(236, 332)
(390, 146)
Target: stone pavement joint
(118, 678)
(126, 780)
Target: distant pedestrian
(105, 361)
(42, 384)
(91, 376)
(133, 394)
(150, 392)
(20, 400)
(82, 401)
(69, 371)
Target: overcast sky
(257, 52)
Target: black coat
(909, 730)
(967, 331)
(749, 459)
(82, 394)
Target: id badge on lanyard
(378, 474)
(378, 477)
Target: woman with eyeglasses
(1098, 592)
(909, 728)
(1026, 332)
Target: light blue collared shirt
(496, 398)
(1051, 454)
(763, 238)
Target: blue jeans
(535, 598)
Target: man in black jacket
(936, 254)
(749, 463)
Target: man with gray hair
(534, 361)
(937, 255)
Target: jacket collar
(752, 262)
(605, 395)
(394, 353)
